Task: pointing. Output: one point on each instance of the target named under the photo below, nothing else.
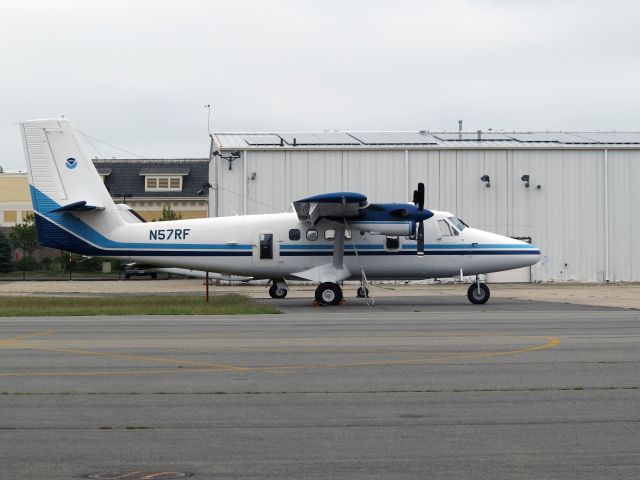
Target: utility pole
(212, 156)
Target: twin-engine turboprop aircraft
(328, 239)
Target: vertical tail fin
(71, 202)
(60, 172)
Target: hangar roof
(426, 139)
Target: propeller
(418, 200)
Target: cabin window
(294, 234)
(393, 243)
(312, 235)
(266, 246)
(330, 234)
(445, 228)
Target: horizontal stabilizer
(80, 206)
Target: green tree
(169, 214)
(25, 237)
(5, 254)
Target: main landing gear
(278, 289)
(478, 293)
(328, 293)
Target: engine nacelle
(385, 228)
(390, 219)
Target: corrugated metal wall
(565, 216)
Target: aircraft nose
(533, 252)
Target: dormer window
(163, 178)
(163, 184)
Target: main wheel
(328, 293)
(478, 293)
(276, 292)
(362, 292)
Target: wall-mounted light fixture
(229, 158)
(525, 179)
(485, 178)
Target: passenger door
(266, 248)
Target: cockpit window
(445, 228)
(456, 222)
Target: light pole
(202, 191)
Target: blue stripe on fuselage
(67, 232)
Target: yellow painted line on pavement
(550, 343)
(118, 356)
(7, 341)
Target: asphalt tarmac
(412, 388)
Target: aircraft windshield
(456, 222)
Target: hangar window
(312, 235)
(393, 243)
(294, 234)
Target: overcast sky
(137, 74)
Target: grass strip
(229, 304)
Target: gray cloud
(137, 74)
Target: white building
(580, 204)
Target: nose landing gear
(478, 293)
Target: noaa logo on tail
(71, 163)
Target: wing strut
(364, 281)
(338, 247)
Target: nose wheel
(478, 293)
(328, 293)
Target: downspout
(213, 158)
(245, 185)
(606, 215)
(406, 175)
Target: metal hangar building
(576, 195)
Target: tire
(478, 297)
(154, 276)
(328, 293)
(363, 292)
(276, 292)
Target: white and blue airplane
(329, 238)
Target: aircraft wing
(338, 204)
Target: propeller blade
(420, 196)
(420, 238)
